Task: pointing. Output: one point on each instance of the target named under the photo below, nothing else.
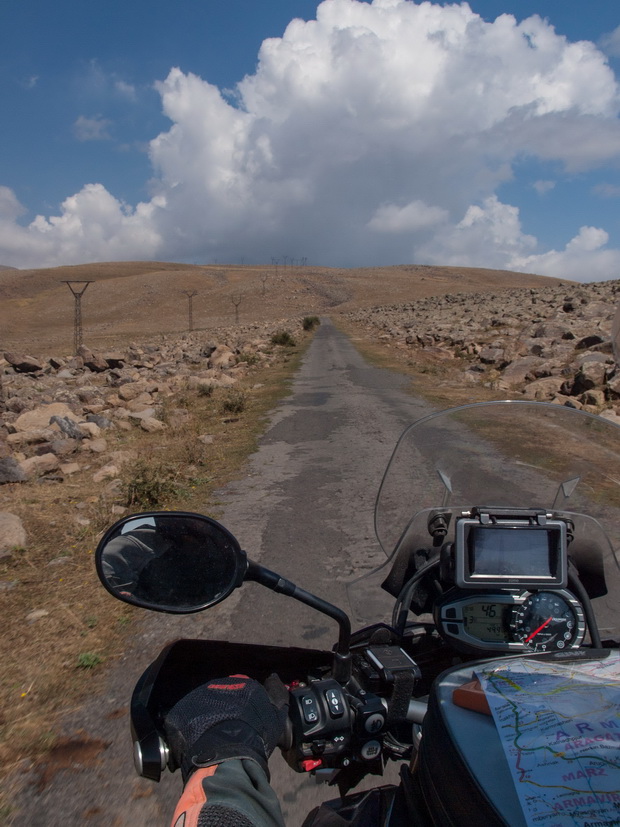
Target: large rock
(12, 532)
(93, 362)
(115, 359)
(543, 389)
(518, 370)
(151, 425)
(31, 437)
(222, 358)
(37, 466)
(130, 390)
(23, 363)
(42, 416)
(10, 471)
(68, 427)
(589, 376)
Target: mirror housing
(170, 561)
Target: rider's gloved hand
(227, 718)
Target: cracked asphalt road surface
(303, 508)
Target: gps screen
(512, 552)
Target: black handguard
(227, 718)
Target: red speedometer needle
(540, 628)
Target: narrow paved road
(304, 508)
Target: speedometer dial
(548, 621)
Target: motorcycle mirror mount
(180, 562)
(271, 580)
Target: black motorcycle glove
(227, 718)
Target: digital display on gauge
(506, 554)
(487, 621)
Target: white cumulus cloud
(377, 133)
(585, 258)
(92, 221)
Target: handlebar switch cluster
(322, 725)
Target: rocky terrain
(545, 343)
(125, 301)
(552, 344)
(55, 411)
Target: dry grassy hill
(132, 300)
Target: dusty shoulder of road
(60, 628)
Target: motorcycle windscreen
(506, 455)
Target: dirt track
(304, 509)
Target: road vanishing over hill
(304, 508)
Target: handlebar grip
(416, 711)
(285, 742)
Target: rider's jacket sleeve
(235, 793)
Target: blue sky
(325, 150)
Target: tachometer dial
(547, 621)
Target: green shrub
(284, 338)
(148, 484)
(234, 401)
(88, 660)
(310, 322)
(250, 359)
(205, 390)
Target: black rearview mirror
(175, 562)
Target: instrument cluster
(513, 622)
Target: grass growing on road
(60, 627)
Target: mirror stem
(273, 581)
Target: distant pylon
(190, 296)
(77, 318)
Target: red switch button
(311, 764)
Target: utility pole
(190, 297)
(77, 317)
(236, 300)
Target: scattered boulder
(108, 472)
(543, 389)
(535, 342)
(69, 468)
(68, 426)
(96, 446)
(45, 424)
(130, 391)
(41, 417)
(22, 363)
(37, 466)
(95, 363)
(115, 359)
(222, 357)
(11, 471)
(12, 532)
(151, 425)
